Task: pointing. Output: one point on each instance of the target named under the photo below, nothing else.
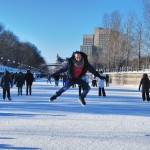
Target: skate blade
(80, 102)
(50, 100)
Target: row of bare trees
(19, 54)
(128, 41)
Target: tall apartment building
(95, 42)
(101, 37)
(88, 44)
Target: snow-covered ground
(119, 121)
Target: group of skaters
(19, 79)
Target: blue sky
(57, 26)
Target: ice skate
(82, 101)
(53, 98)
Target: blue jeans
(70, 82)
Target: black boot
(53, 97)
(82, 101)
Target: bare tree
(107, 53)
(129, 34)
(15, 53)
(147, 13)
(147, 29)
(113, 53)
(139, 41)
(8, 42)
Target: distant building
(95, 42)
(88, 44)
(101, 37)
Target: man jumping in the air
(76, 66)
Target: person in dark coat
(19, 81)
(76, 68)
(29, 80)
(145, 83)
(6, 83)
(56, 78)
(107, 80)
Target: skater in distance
(76, 67)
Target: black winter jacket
(145, 83)
(29, 78)
(19, 80)
(6, 81)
